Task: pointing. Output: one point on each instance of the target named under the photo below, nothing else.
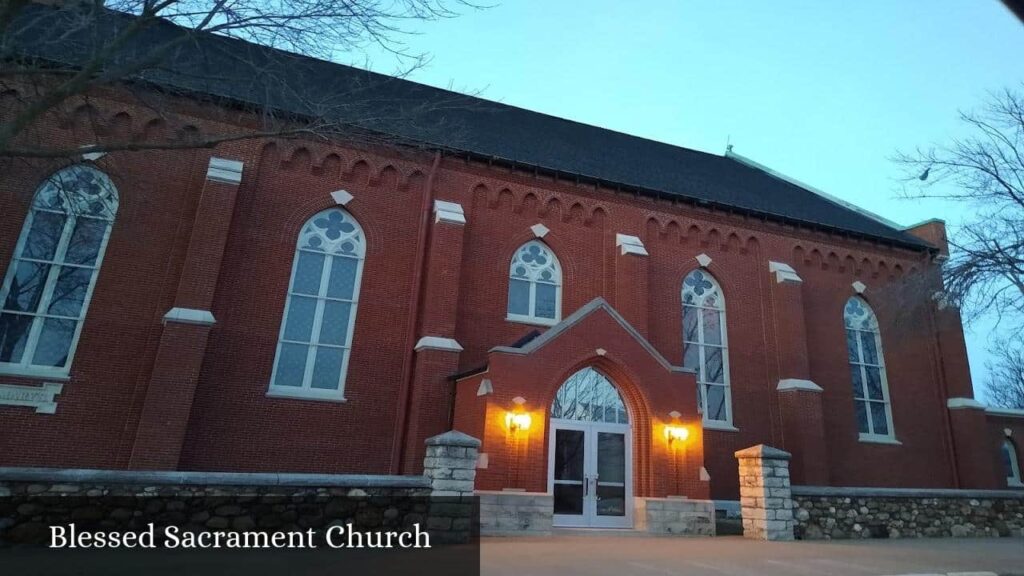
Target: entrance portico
(580, 414)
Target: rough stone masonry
(765, 497)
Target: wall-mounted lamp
(517, 421)
(676, 434)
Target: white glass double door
(590, 474)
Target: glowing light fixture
(517, 421)
(676, 434)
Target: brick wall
(234, 426)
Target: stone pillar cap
(763, 451)
(453, 438)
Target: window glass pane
(862, 417)
(851, 346)
(545, 301)
(327, 368)
(291, 364)
(44, 235)
(299, 323)
(716, 402)
(611, 457)
(13, 336)
(713, 368)
(867, 342)
(69, 292)
(334, 327)
(690, 324)
(878, 420)
(874, 383)
(54, 342)
(518, 297)
(308, 273)
(568, 454)
(343, 277)
(858, 381)
(27, 286)
(1008, 459)
(84, 246)
(611, 500)
(712, 327)
(691, 356)
(569, 498)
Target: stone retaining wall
(678, 516)
(839, 513)
(441, 501)
(515, 513)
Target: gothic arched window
(1011, 464)
(50, 279)
(589, 396)
(705, 346)
(320, 314)
(867, 371)
(535, 285)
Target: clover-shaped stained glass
(80, 190)
(534, 261)
(700, 289)
(858, 315)
(333, 231)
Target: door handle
(596, 496)
(586, 486)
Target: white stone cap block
(39, 397)
(224, 171)
(762, 451)
(92, 156)
(630, 244)
(704, 260)
(797, 384)
(859, 287)
(539, 230)
(964, 404)
(783, 272)
(486, 387)
(438, 343)
(190, 316)
(341, 197)
(704, 476)
(450, 212)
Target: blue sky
(824, 92)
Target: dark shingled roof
(248, 74)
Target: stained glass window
(589, 396)
(867, 370)
(50, 279)
(535, 285)
(705, 347)
(1011, 464)
(316, 332)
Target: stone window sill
(34, 373)
(869, 439)
(306, 394)
(531, 320)
(720, 426)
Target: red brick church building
(613, 317)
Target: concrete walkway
(651, 556)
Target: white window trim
(727, 424)
(24, 368)
(305, 391)
(531, 302)
(1014, 480)
(889, 438)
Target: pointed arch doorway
(590, 455)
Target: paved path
(727, 556)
